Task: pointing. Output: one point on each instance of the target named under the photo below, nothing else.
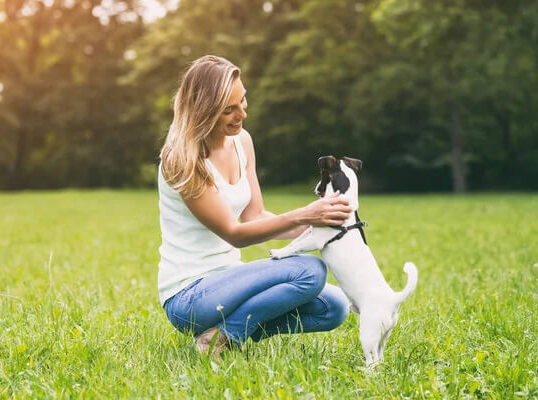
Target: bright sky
(151, 9)
(154, 9)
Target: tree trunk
(16, 172)
(458, 164)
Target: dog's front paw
(276, 253)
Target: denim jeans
(260, 299)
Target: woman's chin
(235, 130)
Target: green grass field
(79, 311)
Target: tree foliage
(431, 95)
(65, 118)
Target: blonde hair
(203, 95)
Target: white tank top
(189, 250)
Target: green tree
(244, 32)
(460, 49)
(64, 117)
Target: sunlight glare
(267, 7)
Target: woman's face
(230, 121)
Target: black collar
(344, 229)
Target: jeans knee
(339, 312)
(316, 271)
(337, 306)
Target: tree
(458, 47)
(246, 33)
(65, 119)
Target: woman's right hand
(332, 209)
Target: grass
(79, 311)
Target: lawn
(80, 317)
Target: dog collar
(345, 229)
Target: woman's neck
(216, 142)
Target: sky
(154, 9)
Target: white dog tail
(412, 277)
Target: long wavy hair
(203, 95)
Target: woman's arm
(290, 234)
(212, 211)
(258, 225)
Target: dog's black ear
(321, 187)
(327, 162)
(353, 163)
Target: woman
(211, 204)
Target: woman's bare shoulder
(245, 137)
(246, 141)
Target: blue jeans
(260, 299)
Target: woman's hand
(330, 210)
(257, 225)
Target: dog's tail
(412, 277)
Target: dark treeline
(430, 94)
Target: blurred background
(433, 95)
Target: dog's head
(341, 176)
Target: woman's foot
(211, 337)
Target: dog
(345, 251)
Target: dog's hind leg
(382, 343)
(370, 336)
(387, 327)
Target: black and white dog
(346, 253)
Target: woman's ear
(353, 163)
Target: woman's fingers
(340, 215)
(337, 219)
(334, 197)
(333, 218)
(332, 222)
(336, 222)
(341, 208)
(338, 200)
(333, 209)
